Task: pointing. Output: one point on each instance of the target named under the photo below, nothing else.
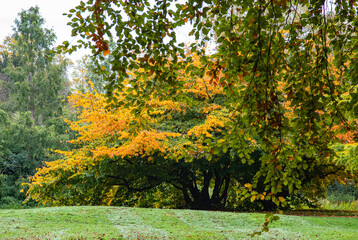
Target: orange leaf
(106, 52)
(279, 167)
(247, 185)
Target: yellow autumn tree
(115, 148)
(184, 148)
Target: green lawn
(139, 223)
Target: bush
(342, 193)
(342, 206)
(8, 202)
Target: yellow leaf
(262, 197)
(103, 67)
(247, 185)
(253, 198)
(281, 199)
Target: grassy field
(139, 223)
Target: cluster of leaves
(342, 193)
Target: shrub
(342, 193)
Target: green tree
(4, 78)
(37, 83)
(23, 148)
(32, 87)
(86, 69)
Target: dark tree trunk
(208, 197)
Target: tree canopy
(36, 83)
(170, 149)
(173, 147)
(288, 69)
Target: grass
(348, 206)
(140, 223)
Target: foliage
(285, 68)
(342, 193)
(162, 196)
(23, 148)
(179, 152)
(86, 71)
(35, 83)
(32, 88)
(339, 205)
(109, 157)
(269, 219)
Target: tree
(24, 146)
(4, 78)
(110, 160)
(31, 107)
(270, 55)
(87, 70)
(181, 145)
(37, 84)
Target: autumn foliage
(182, 148)
(110, 138)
